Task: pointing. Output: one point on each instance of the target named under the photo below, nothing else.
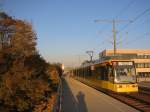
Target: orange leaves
(27, 79)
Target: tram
(118, 75)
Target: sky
(66, 29)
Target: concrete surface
(78, 97)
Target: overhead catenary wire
(102, 45)
(1, 5)
(137, 38)
(120, 13)
(113, 30)
(123, 39)
(135, 19)
(125, 8)
(123, 11)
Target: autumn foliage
(27, 81)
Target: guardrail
(58, 104)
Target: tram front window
(124, 74)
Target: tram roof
(105, 58)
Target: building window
(142, 65)
(140, 74)
(136, 65)
(143, 56)
(144, 74)
(147, 74)
(147, 65)
(139, 56)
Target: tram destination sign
(125, 63)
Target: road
(78, 97)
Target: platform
(78, 97)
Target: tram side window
(110, 74)
(82, 72)
(106, 73)
(89, 72)
(102, 73)
(86, 72)
(98, 73)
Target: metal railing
(57, 107)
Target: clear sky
(66, 28)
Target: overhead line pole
(114, 37)
(90, 53)
(113, 30)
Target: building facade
(141, 57)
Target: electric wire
(125, 8)
(138, 38)
(135, 19)
(120, 13)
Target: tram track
(144, 90)
(139, 101)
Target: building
(141, 57)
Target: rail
(138, 101)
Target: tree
(26, 79)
